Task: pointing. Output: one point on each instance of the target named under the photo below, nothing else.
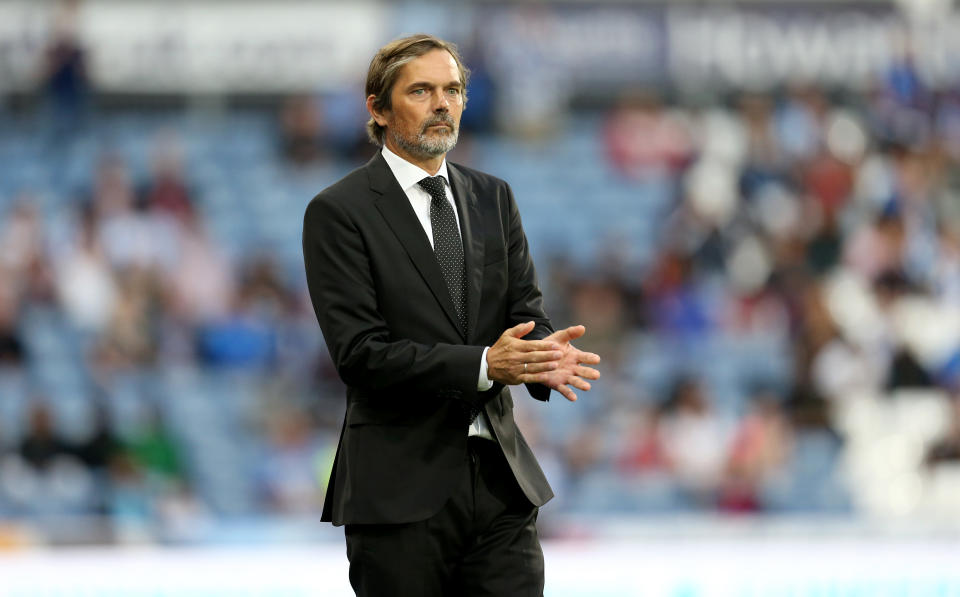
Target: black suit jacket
(391, 328)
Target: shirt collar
(407, 174)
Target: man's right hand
(506, 358)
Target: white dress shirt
(408, 175)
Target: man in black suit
(423, 285)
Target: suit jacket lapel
(471, 227)
(400, 217)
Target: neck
(429, 163)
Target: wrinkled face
(427, 101)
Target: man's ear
(377, 115)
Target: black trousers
(483, 542)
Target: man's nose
(442, 103)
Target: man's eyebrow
(418, 84)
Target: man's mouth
(438, 124)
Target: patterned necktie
(449, 251)
(447, 245)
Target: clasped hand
(552, 361)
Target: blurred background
(753, 207)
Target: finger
(520, 330)
(588, 358)
(580, 384)
(538, 357)
(534, 345)
(586, 373)
(566, 392)
(533, 377)
(540, 367)
(570, 333)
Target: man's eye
(453, 91)
(418, 92)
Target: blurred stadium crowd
(773, 279)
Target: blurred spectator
(584, 451)
(167, 191)
(842, 369)
(799, 122)
(64, 74)
(340, 111)
(946, 449)
(815, 325)
(481, 93)
(12, 351)
(154, 451)
(201, 285)
(39, 282)
(23, 253)
(21, 236)
(697, 440)
(101, 446)
(247, 336)
(599, 305)
(758, 452)
(829, 181)
(44, 476)
(112, 190)
(903, 83)
(239, 340)
(42, 445)
(290, 464)
(262, 289)
(906, 371)
(761, 311)
(534, 93)
(149, 494)
(808, 410)
(901, 103)
(825, 244)
(131, 336)
(130, 499)
(644, 451)
(947, 123)
(130, 234)
(764, 159)
(644, 139)
(182, 516)
(945, 279)
(676, 307)
(84, 281)
(97, 451)
(301, 130)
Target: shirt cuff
(484, 383)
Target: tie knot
(435, 185)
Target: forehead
(436, 66)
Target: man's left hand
(570, 370)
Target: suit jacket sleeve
(344, 299)
(524, 296)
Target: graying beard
(425, 147)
